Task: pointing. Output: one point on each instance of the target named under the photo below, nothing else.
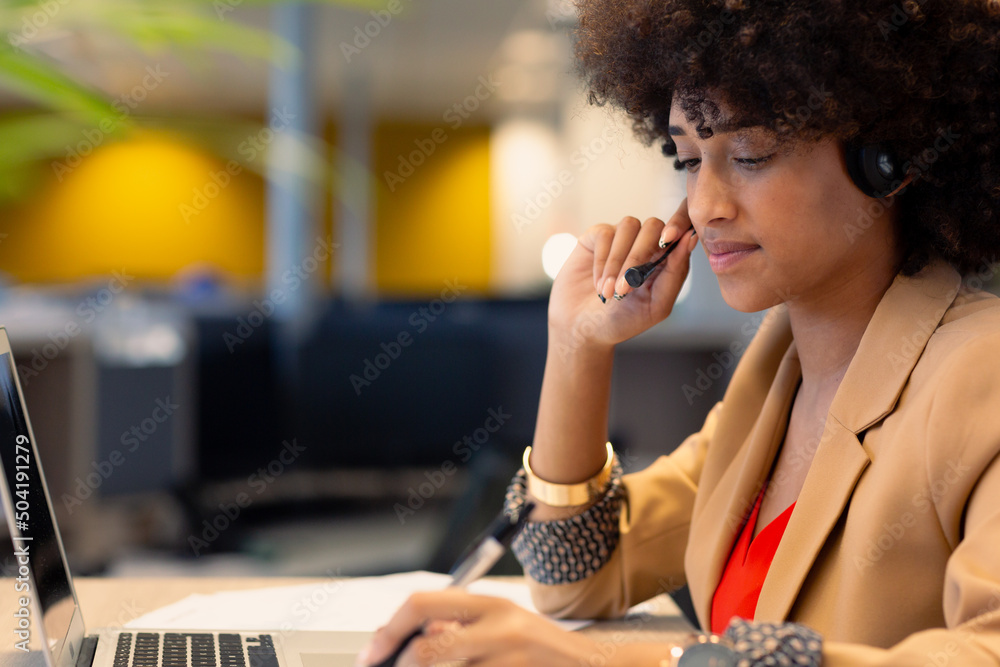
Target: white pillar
(353, 188)
(292, 198)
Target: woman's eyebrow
(736, 134)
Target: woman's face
(781, 224)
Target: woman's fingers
(626, 233)
(618, 248)
(503, 632)
(593, 247)
(604, 235)
(679, 223)
(678, 227)
(644, 248)
(442, 644)
(663, 289)
(419, 610)
(431, 649)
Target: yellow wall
(432, 224)
(144, 205)
(149, 206)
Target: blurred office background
(275, 273)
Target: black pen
(476, 562)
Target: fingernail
(668, 235)
(601, 297)
(362, 659)
(607, 286)
(693, 241)
(620, 292)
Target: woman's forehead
(724, 126)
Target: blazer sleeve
(963, 436)
(649, 558)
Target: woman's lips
(724, 254)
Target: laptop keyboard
(187, 649)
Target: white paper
(361, 604)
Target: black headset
(874, 168)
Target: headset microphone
(637, 275)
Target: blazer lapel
(835, 470)
(895, 338)
(733, 497)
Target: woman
(841, 505)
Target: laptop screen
(37, 548)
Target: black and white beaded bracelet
(567, 550)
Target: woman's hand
(490, 632)
(597, 266)
(479, 629)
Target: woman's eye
(754, 162)
(690, 164)
(750, 163)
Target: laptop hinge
(87, 649)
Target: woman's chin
(748, 298)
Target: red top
(748, 563)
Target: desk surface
(114, 602)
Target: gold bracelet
(568, 495)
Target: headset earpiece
(874, 169)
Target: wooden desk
(111, 602)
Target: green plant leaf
(35, 137)
(30, 142)
(37, 80)
(159, 29)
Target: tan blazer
(892, 552)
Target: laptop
(47, 615)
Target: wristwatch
(702, 651)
